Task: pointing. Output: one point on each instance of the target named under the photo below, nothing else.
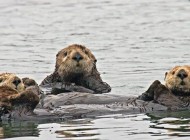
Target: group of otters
(75, 71)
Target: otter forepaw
(67, 85)
(105, 88)
(149, 94)
(26, 98)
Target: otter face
(12, 81)
(178, 79)
(75, 59)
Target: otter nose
(182, 74)
(16, 81)
(77, 57)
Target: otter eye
(1, 80)
(65, 53)
(95, 60)
(173, 72)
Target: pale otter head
(11, 80)
(75, 60)
(178, 80)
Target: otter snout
(77, 57)
(182, 74)
(16, 81)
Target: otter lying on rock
(76, 65)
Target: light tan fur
(13, 81)
(174, 82)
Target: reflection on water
(157, 126)
(135, 42)
(18, 129)
(176, 123)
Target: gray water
(135, 42)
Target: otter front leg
(26, 98)
(150, 94)
(154, 91)
(162, 95)
(97, 85)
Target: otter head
(74, 60)
(178, 80)
(11, 80)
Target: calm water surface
(135, 42)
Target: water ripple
(135, 43)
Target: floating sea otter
(15, 92)
(177, 82)
(76, 64)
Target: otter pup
(76, 64)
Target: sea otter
(12, 81)
(15, 92)
(76, 64)
(177, 84)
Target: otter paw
(26, 98)
(28, 82)
(61, 87)
(149, 94)
(105, 88)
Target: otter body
(16, 92)
(76, 64)
(177, 85)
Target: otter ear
(165, 75)
(57, 54)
